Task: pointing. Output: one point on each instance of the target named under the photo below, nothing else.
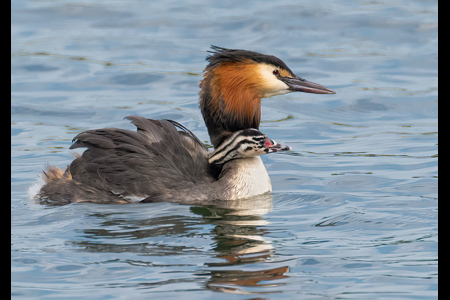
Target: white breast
(245, 178)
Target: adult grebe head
(235, 81)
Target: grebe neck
(229, 101)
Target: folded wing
(156, 158)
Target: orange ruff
(239, 87)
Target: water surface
(353, 214)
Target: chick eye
(275, 72)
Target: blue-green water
(353, 213)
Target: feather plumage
(155, 158)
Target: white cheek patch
(270, 84)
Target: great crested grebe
(158, 162)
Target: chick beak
(272, 146)
(297, 84)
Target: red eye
(275, 72)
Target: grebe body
(120, 166)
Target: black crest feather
(220, 55)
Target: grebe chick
(160, 163)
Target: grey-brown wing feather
(154, 159)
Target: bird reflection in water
(240, 250)
(239, 234)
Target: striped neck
(243, 144)
(236, 146)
